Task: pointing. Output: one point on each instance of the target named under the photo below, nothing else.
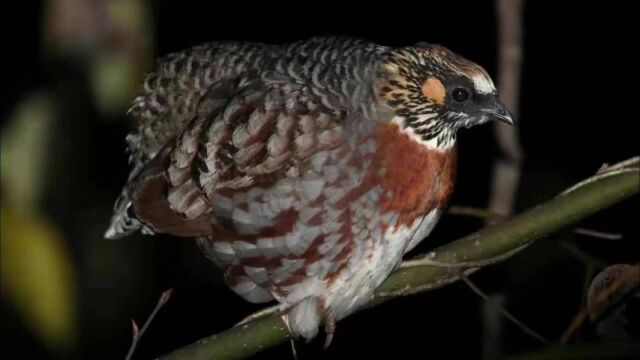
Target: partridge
(305, 171)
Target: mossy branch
(489, 245)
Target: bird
(305, 171)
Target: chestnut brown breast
(415, 178)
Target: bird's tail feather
(124, 221)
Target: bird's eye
(460, 94)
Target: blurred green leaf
(117, 67)
(37, 277)
(23, 156)
(114, 81)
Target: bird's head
(434, 92)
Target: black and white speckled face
(471, 101)
(435, 92)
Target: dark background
(578, 110)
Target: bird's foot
(292, 339)
(329, 329)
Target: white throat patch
(442, 142)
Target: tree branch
(491, 242)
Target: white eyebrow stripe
(483, 84)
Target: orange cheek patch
(434, 90)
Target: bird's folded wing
(248, 139)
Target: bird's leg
(276, 309)
(329, 329)
(292, 339)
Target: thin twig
(476, 212)
(610, 171)
(504, 312)
(496, 218)
(598, 234)
(137, 333)
(631, 274)
(427, 260)
(582, 256)
(630, 163)
(275, 309)
(410, 290)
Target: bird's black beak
(498, 111)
